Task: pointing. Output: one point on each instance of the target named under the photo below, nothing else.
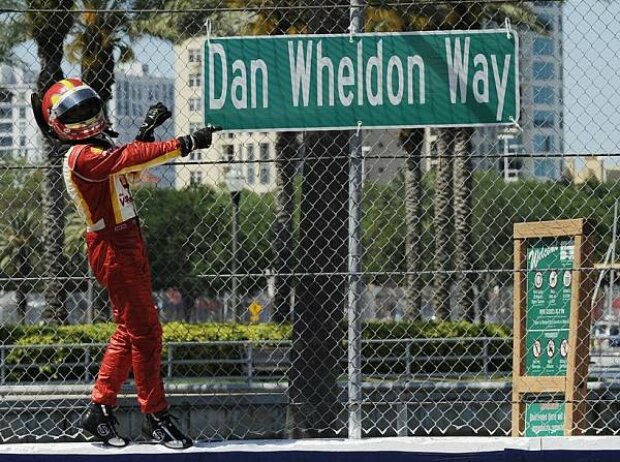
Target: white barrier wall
(591, 449)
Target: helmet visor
(79, 106)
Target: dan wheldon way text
(377, 80)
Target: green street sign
(321, 82)
(544, 419)
(549, 290)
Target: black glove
(200, 139)
(156, 115)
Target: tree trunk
(54, 212)
(50, 52)
(23, 287)
(485, 293)
(21, 301)
(321, 291)
(286, 149)
(320, 296)
(413, 144)
(463, 215)
(98, 60)
(443, 224)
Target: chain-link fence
(310, 283)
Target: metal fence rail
(269, 360)
(358, 269)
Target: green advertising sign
(549, 287)
(320, 82)
(544, 419)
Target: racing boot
(160, 428)
(99, 420)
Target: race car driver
(96, 176)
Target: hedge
(65, 363)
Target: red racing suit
(95, 179)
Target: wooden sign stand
(573, 383)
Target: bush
(437, 356)
(56, 359)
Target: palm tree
(102, 28)
(321, 290)
(287, 147)
(412, 141)
(454, 176)
(18, 244)
(313, 373)
(48, 24)
(286, 150)
(12, 30)
(187, 21)
(442, 223)
(463, 216)
(180, 27)
(472, 16)
(381, 19)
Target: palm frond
(12, 33)
(523, 16)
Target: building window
(229, 152)
(6, 127)
(195, 178)
(22, 112)
(125, 110)
(544, 143)
(6, 112)
(119, 104)
(250, 156)
(545, 168)
(22, 141)
(6, 96)
(195, 80)
(194, 55)
(6, 141)
(544, 95)
(194, 104)
(264, 165)
(195, 155)
(543, 70)
(547, 20)
(543, 46)
(544, 119)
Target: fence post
(2, 364)
(169, 361)
(250, 363)
(485, 357)
(355, 258)
(87, 364)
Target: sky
(592, 76)
(591, 73)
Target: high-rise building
(19, 134)
(539, 137)
(132, 94)
(251, 152)
(134, 91)
(542, 97)
(531, 149)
